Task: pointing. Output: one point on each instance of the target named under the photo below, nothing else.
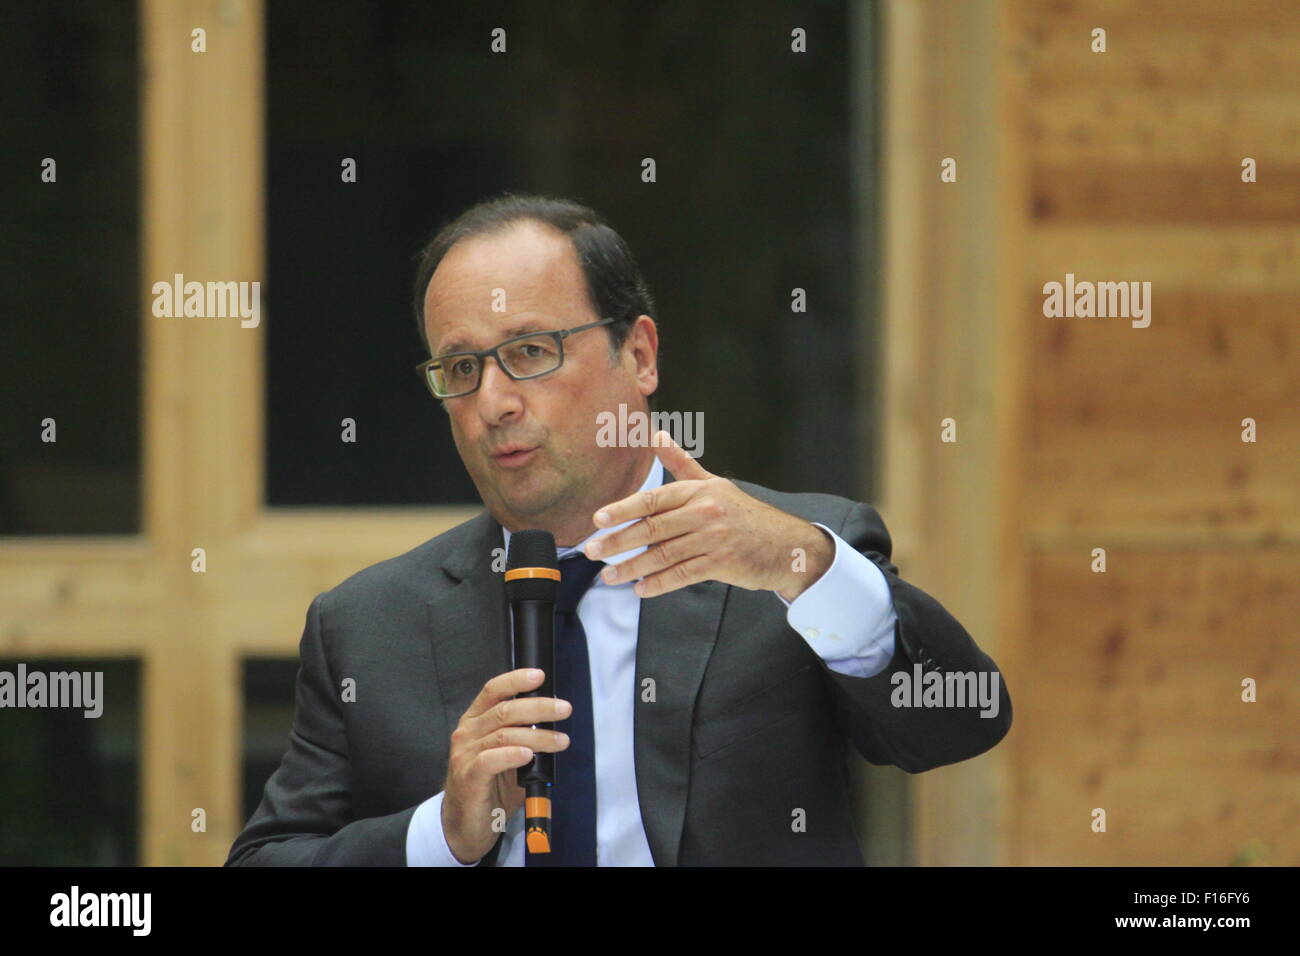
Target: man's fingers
(502, 687)
(524, 711)
(485, 745)
(661, 556)
(680, 575)
(646, 531)
(538, 741)
(489, 763)
(516, 712)
(653, 501)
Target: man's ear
(646, 332)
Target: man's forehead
(523, 278)
(520, 259)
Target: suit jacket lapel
(470, 626)
(675, 637)
(471, 623)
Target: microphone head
(532, 571)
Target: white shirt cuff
(426, 844)
(847, 615)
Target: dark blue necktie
(573, 813)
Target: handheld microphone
(532, 584)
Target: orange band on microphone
(537, 807)
(517, 573)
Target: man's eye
(463, 367)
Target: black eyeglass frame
(559, 335)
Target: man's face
(564, 476)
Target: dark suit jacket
(747, 726)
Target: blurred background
(777, 168)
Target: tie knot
(577, 572)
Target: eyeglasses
(530, 355)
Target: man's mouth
(513, 456)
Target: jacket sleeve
(305, 817)
(913, 738)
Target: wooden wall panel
(1127, 684)
(1129, 699)
(1139, 430)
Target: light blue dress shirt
(846, 616)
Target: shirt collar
(653, 480)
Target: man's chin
(529, 499)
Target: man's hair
(615, 285)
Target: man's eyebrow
(460, 345)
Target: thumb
(675, 458)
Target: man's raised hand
(701, 527)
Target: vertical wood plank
(942, 318)
(203, 175)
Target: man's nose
(498, 393)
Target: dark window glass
(69, 267)
(69, 784)
(268, 717)
(753, 199)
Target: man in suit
(721, 645)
